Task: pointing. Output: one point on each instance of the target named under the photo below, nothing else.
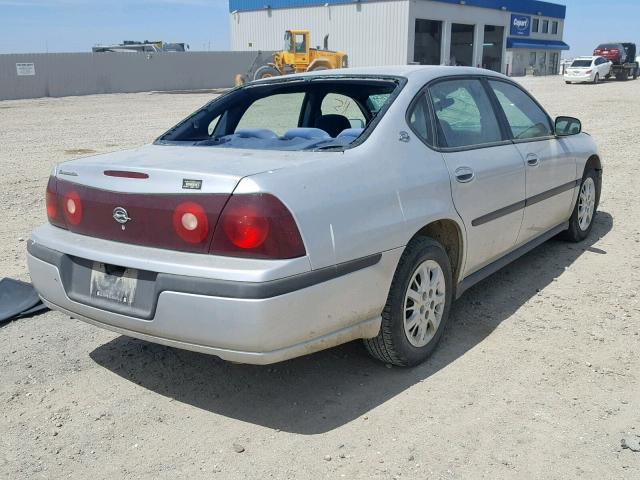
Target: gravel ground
(537, 376)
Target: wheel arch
(593, 163)
(449, 234)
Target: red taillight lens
(54, 213)
(257, 226)
(72, 208)
(190, 222)
(245, 227)
(52, 200)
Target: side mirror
(566, 126)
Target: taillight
(257, 226)
(190, 222)
(54, 213)
(52, 200)
(72, 208)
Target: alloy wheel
(424, 303)
(586, 203)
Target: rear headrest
(306, 133)
(262, 133)
(351, 133)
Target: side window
(213, 124)
(420, 120)
(337, 104)
(464, 113)
(278, 113)
(376, 102)
(526, 119)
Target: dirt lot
(537, 376)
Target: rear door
(486, 170)
(550, 165)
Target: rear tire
(418, 305)
(266, 71)
(584, 213)
(568, 83)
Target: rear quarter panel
(369, 199)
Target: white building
(512, 36)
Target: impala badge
(121, 216)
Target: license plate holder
(114, 284)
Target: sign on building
(520, 25)
(25, 69)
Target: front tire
(584, 213)
(596, 79)
(418, 306)
(266, 71)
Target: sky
(77, 25)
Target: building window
(532, 59)
(492, 48)
(536, 25)
(545, 26)
(554, 28)
(462, 45)
(428, 42)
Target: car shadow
(320, 392)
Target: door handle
(464, 174)
(533, 160)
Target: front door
(550, 166)
(487, 172)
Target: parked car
(266, 226)
(588, 69)
(614, 52)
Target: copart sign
(521, 25)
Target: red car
(614, 52)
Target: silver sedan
(298, 213)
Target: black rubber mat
(18, 299)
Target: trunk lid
(219, 170)
(141, 196)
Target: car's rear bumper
(579, 78)
(249, 322)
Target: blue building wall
(533, 7)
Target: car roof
(422, 73)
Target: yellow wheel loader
(297, 57)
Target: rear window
(305, 114)
(608, 46)
(581, 63)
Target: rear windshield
(581, 63)
(608, 46)
(320, 113)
